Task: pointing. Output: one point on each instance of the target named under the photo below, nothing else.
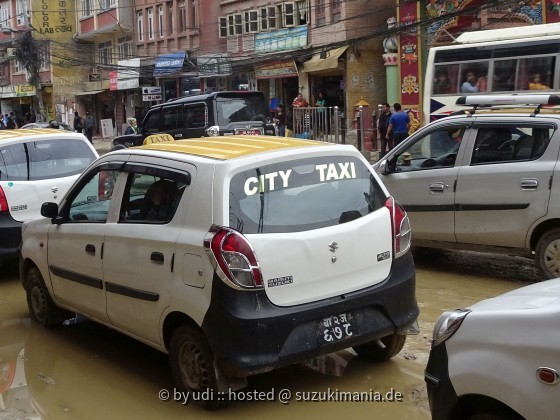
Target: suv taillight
(235, 257)
(105, 187)
(3, 201)
(400, 226)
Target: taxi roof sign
(512, 99)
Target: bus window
(503, 79)
(474, 77)
(535, 73)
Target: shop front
(278, 80)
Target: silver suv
(235, 255)
(486, 180)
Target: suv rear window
(238, 109)
(44, 159)
(304, 194)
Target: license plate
(336, 328)
(248, 131)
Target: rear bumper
(10, 236)
(250, 335)
(441, 394)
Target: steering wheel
(80, 216)
(429, 163)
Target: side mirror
(384, 167)
(49, 210)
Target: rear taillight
(105, 185)
(3, 201)
(235, 257)
(400, 226)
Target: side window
(437, 149)
(196, 116)
(172, 118)
(151, 198)
(151, 125)
(474, 77)
(510, 143)
(92, 201)
(13, 163)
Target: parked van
(207, 115)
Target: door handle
(438, 187)
(178, 135)
(529, 183)
(90, 249)
(157, 257)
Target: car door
(75, 246)
(173, 121)
(506, 186)
(422, 178)
(139, 249)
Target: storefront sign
(282, 39)
(25, 90)
(127, 84)
(169, 63)
(277, 69)
(112, 80)
(149, 98)
(128, 75)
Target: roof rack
(504, 101)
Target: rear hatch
(37, 171)
(318, 226)
(243, 113)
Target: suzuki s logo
(54, 189)
(333, 246)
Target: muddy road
(85, 371)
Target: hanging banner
(409, 55)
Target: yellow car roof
(230, 147)
(10, 134)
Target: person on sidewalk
(399, 124)
(89, 125)
(382, 126)
(78, 123)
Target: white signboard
(149, 98)
(151, 90)
(107, 129)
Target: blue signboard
(169, 63)
(282, 39)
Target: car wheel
(118, 147)
(193, 367)
(379, 352)
(41, 307)
(548, 254)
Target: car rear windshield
(44, 159)
(239, 109)
(304, 194)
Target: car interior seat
(523, 148)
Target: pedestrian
(6, 120)
(280, 120)
(89, 125)
(18, 119)
(399, 124)
(78, 123)
(299, 101)
(289, 123)
(12, 121)
(382, 126)
(132, 126)
(33, 117)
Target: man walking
(382, 126)
(399, 124)
(89, 124)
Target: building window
(140, 26)
(192, 22)
(45, 57)
(21, 12)
(150, 24)
(182, 17)
(223, 27)
(238, 19)
(264, 19)
(337, 11)
(160, 21)
(124, 47)
(87, 7)
(105, 52)
(170, 18)
(106, 4)
(288, 14)
(251, 21)
(272, 17)
(4, 17)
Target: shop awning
(89, 92)
(317, 63)
(169, 63)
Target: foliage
(28, 54)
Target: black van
(207, 115)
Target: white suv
(487, 180)
(235, 255)
(36, 165)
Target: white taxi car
(498, 359)
(235, 255)
(36, 165)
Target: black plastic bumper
(10, 236)
(250, 335)
(441, 394)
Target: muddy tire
(41, 307)
(547, 255)
(374, 352)
(193, 367)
